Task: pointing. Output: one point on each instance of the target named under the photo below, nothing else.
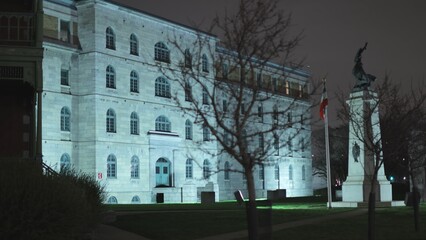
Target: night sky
(333, 32)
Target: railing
(17, 29)
(48, 170)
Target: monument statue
(363, 79)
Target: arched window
(162, 53)
(205, 96)
(261, 172)
(110, 77)
(110, 121)
(277, 172)
(162, 87)
(226, 169)
(65, 119)
(65, 162)
(188, 130)
(204, 63)
(260, 112)
(163, 124)
(188, 59)
(303, 172)
(134, 167)
(188, 91)
(112, 200)
(134, 82)
(225, 70)
(134, 45)
(136, 200)
(276, 144)
(275, 114)
(134, 124)
(188, 169)
(111, 166)
(110, 38)
(261, 142)
(290, 172)
(206, 169)
(206, 133)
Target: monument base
(365, 204)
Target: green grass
(192, 221)
(391, 223)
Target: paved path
(106, 232)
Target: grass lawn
(192, 221)
(391, 223)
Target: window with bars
(188, 130)
(205, 96)
(134, 167)
(206, 169)
(226, 171)
(134, 82)
(206, 133)
(134, 48)
(110, 121)
(261, 172)
(111, 166)
(204, 63)
(162, 88)
(134, 124)
(65, 77)
(189, 169)
(187, 59)
(110, 38)
(276, 144)
(188, 91)
(161, 52)
(162, 124)
(110, 77)
(277, 172)
(65, 119)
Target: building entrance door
(162, 173)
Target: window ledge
(172, 134)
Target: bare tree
(254, 100)
(384, 139)
(338, 138)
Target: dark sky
(334, 30)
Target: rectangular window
(65, 77)
(64, 34)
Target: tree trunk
(252, 222)
(415, 198)
(372, 209)
(371, 215)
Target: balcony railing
(17, 29)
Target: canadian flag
(324, 102)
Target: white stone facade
(161, 156)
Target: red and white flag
(324, 102)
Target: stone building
(108, 110)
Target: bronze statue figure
(363, 79)
(356, 151)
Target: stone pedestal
(364, 118)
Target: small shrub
(36, 206)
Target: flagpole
(327, 158)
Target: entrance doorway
(162, 173)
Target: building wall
(89, 144)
